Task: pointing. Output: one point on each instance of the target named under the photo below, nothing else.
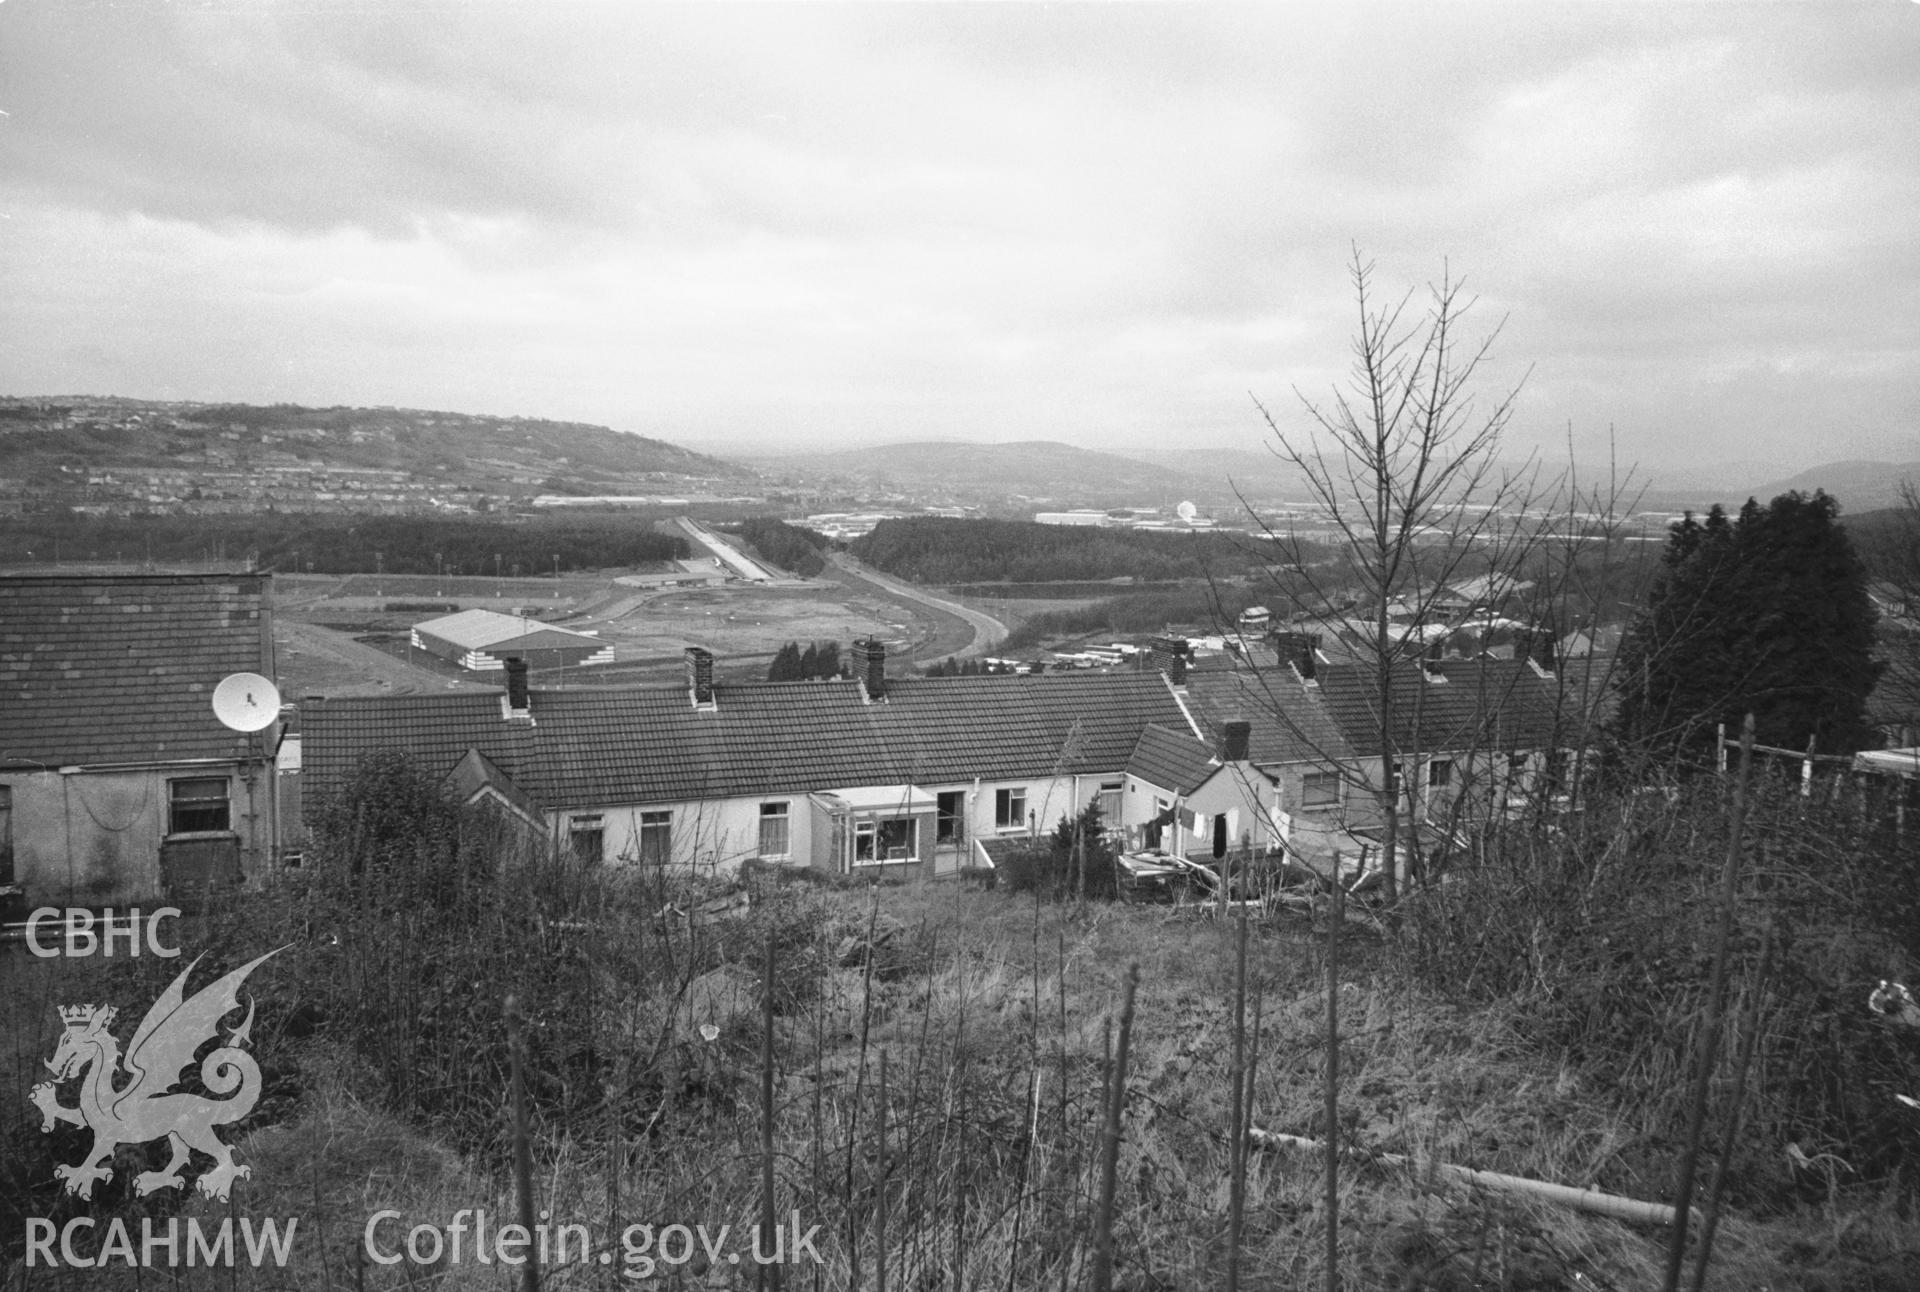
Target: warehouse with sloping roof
(484, 640)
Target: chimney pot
(1236, 739)
(516, 684)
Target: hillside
(1859, 484)
(112, 448)
(1252, 473)
(1032, 471)
(934, 549)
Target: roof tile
(118, 668)
(650, 745)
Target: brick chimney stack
(700, 676)
(1544, 648)
(1169, 656)
(516, 684)
(1299, 650)
(870, 667)
(1236, 738)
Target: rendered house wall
(92, 838)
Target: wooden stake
(522, 1145)
(1710, 1039)
(1236, 1147)
(1110, 1147)
(1339, 916)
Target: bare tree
(1403, 466)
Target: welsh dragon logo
(142, 1110)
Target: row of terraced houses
(118, 784)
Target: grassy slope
(994, 1015)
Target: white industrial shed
(486, 639)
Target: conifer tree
(786, 664)
(1765, 614)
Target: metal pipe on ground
(1590, 1200)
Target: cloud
(1106, 224)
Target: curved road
(988, 632)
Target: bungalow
(1291, 758)
(868, 773)
(118, 784)
(1468, 739)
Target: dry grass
(996, 1015)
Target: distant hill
(1254, 474)
(1038, 471)
(52, 440)
(1860, 485)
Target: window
(775, 840)
(656, 838)
(6, 834)
(197, 806)
(1320, 789)
(1109, 801)
(893, 839)
(1010, 809)
(1439, 773)
(587, 838)
(949, 821)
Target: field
(345, 636)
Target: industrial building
(485, 639)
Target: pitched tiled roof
(476, 772)
(1481, 704)
(649, 745)
(1589, 685)
(1171, 760)
(121, 668)
(1289, 721)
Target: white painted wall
(714, 836)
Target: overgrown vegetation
(1596, 933)
(1531, 1018)
(1075, 861)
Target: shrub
(1051, 867)
(1602, 930)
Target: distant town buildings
(1185, 519)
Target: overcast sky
(747, 226)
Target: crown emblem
(72, 1014)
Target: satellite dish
(1186, 511)
(246, 702)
